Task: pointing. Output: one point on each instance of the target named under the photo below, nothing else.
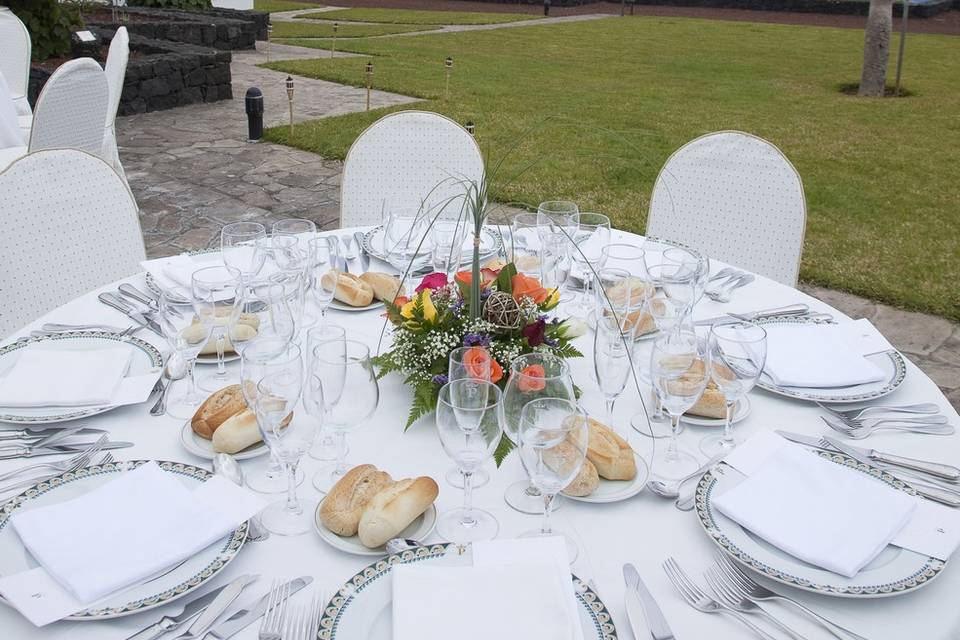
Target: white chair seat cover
(8, 155)
(15, 58)
(115, 70)
(72, 108)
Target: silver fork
(80, 460)
(696, 598)
(61, 466)
(854, 414)
(756, 592)
(734, 600)
(271, 625)
(302, 623)
(723, 294)
(859, 433)
(721, 280)
(873, 422)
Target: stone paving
(192, 171)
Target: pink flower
(432, 281)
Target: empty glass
(590, 253)
(472, 363)
(612, 361)
(186, 324)
(324, 258)
(553, 445)
(469, 429)
(737, 355)
(525, 244)
(405, 242)
(333, 337)
(447, 237)
(557, 224)
(219, 285)
(263, 312)
(532, 376)
(699, 264)
(304, 230)
(242, 247)
(350, 396)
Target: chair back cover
(72, 108)
(735, 197)
(115, 70)
(407, 158)
(15, 58)
(70, 225)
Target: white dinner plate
(341, 306)
(891, 573)
(191, 574)
(146, 359)
(361, 608)
(617, 490)
(740, 411)
(890, 362)
(204, 448)
(417, 530)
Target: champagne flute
(557, 224)
(590, 253)
(471, 363)
(525, 244)
(612, 362)
(469, 430)
(333, 338)
(532, 376)
(324, 256)
(553, 445)
(220, 285)
(292, 270)
(350, 396)
(241, 245)
(185, 322)
(679, 368)
(288, 435)
(737, 355)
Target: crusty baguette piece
(585, 482)
(394, 508)
(342, 508)
(216, 409)
(610, 454)
(385, 287)
(240, 431)
(712, 404)
(349, 290)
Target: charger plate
(361, 609)
(893, 572)
(178, 581)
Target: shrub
(49, 23)
(171, 4)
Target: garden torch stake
(333, 43)
(290, 101)
(903, 41)
(448, 64)
(369, 82)
(269, 37)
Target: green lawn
(598, 106)
(272, 6)
(404, 16)
(325, 30)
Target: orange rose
(532, 378)
(529, 287)
(476, 362)
(496, 372)
(486, 277)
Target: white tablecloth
(643, 530)
(10, 132)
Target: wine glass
(220, 286)
(671, 307)
(698, 263)
(303, 230)
(469, 430)
(612, 361)
(679, 369)
(292, 264)
(590, 253)
(737, 355)
(288, 435)
(553, 445)
(532, 376)
(263, 312)
(350, 396)
(405, 231)
(447, 237)
(324, 256)
(241, 245)
(333, 337)
(525, 244)
(470, 363)
(185, 322)
(257, 361)
(557, 224)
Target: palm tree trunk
(876, 48)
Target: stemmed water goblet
(350, 396)
(405, 241)
(679, 369)
(288, 436)
(186, 322)
(447, 237)
(331, 339)
(557, 224)
(471, 363)
(290, 265)
(532, 376)
(589, 252)
(553, 442)
(737, 355)
(220, 286)
(690, 261)
(469, 428)
(525, 244)
(263, 311)
(242, 248)
(323, 267)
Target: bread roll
(712, 404)
(216, 409)
(237, 433)
(350, 289)
(609, 453)
(586, 481)
(245, 328)
(394, 508)
(341, 509)
(385, 287)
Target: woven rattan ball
(502, 310)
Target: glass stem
(657, 407)
(674, 427)
(293, 505)
(546, 528)
(610, 400)
(221, 367)
(727, 432)
(341, 452)
(274, 466)
(192, 395)
(467, 520)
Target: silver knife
(20, 434)
(192, 608)
(112, 300)
(638, 592)
(250, 613)
(936, 469)
(361, 253)
(943, 496)
(789, 310)
(60, 450)
(223, 600)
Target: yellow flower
(407, 310)
(426, 304)
(552, 300)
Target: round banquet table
(644, 530)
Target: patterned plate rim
(931, 568)
(227, 553)
(156, 288)
(493, 231)
(152, 352)
(334, 609)
(899, 371)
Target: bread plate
(740, 411)
(617, 490)
(211, 358)
(204, 448)
(341, 306)
(417, 530)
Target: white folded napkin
(129, 529)
(477, 603)
(818, 511)
(44, 377)
(173, 271)
(815, 356)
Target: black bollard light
(254, 105)
(546, 7)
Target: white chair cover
(72, 108)
(115, 70)
(407, 158)
(70, 225)
(15, 58)
(737, 198)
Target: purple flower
(485, 293)
(440, 379)
(476, 340)
(535, 333)
(550, 342)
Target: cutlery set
(348, 254)
(791, 310)
(722, 285)
(915, 418)
(144, 316)
(80, 459)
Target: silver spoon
(672, 489)
(226, 466)
(398, 545)
(176, 369)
